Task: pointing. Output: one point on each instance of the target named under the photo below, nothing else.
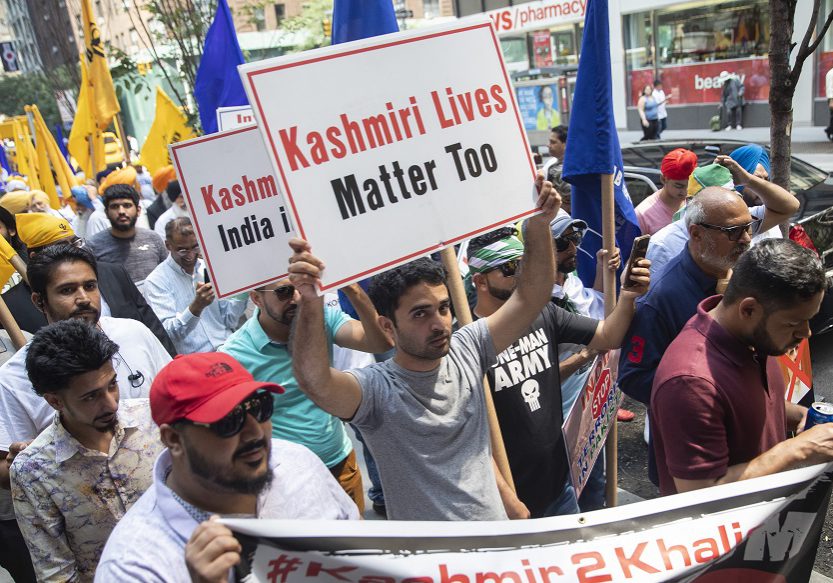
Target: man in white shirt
(64, 285)
(177, 209)
(215, 420)
(184, 300)
(662, 114)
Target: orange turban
(678, 164)
(125, 175)
(39, 229)
(162, 177)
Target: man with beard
(77, 479)
(64, 286)
(422, 412)
(138, 250)
(718, 412)
(525, 381)
(183, 299)
(262, 347)
(214, 419)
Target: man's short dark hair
(779, 273)
(118, 191)
(388, 287)
(561, 133)
(178, 226)
(174, 190)
(64, 350)
(43, 265)
(657, 82)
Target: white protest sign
(237, 116)
(393, 147)
(241, 221)
(590, 418)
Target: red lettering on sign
(597, 563)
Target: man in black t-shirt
(525, 382)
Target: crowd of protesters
(142, 406)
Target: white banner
(760, 530)
(237, 116)
(393, 147)
(241, 220)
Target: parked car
(812, 186)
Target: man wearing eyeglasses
(77, 479)
(183, 298)
(525, 380)
(215, 420)
(262, 347)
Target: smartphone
(638, 251)
(206, 279)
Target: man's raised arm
(336, 392)
(537, 275)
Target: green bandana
(496, 254)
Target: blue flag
(355, 19)
(4, 161)
(593, 146)
(218, 83)
(59, 139)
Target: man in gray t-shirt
(138, 250)
(422, 413)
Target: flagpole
(463, 313)
(124, 145)
(609, 243)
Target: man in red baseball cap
(658, 210)
(215, 421)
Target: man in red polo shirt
(718, 413)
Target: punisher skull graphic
(531, 392)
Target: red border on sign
(288, 192)
(201, 140)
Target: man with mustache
(214, 419)
(262, 347)
(64, 286)
(77, 479)
(138, 249)
(718, 410)
(525, 380)
(183, 298)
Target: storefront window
(564, 47)
(824, 54)
(693, 50)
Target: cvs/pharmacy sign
(537, 15)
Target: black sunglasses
(735, 233)
(283, 292)
(510, 268)
(260, 406)
(562, 243)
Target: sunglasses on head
(735, 233)
(282, 292)
(562, 243)
(260, 406)
(510, 268)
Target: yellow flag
(103, 95)
(84, 130)
(169, 127)
(6, 254)
(27, 159)
(56, 166)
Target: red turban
(679, 164)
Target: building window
(431, 8)
(280, 13)
(259, 18)
(824, 53)
(688, 49)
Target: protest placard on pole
(237, 116)
(591, 418)
(421, 146)
(242, 223)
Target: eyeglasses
(510, 268)
(735, 233)
(260, 406)
(283, 292)
(195, 250)
(562, 243)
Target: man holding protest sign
(262, 347)
(525, 379)
(423, 412)
(718, 413)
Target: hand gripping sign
(394, 147)
(241, 220)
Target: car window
(639, 188)
(803, 175)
